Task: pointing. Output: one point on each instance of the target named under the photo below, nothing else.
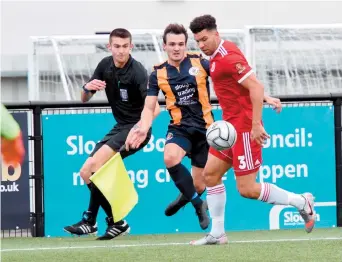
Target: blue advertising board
(298, 157)
(15, 190)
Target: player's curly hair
(200, 23)
(176, 29)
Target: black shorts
(116, 138)
(192, 140)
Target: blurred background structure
(298, 52)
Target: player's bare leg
(272, 194)
(198, 177)
(181, 200)
(173, 155)
(216, 198)
(94, 163)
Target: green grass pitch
(284, 245)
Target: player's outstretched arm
(275, 102)
(151, 107)
(156, 110)
(149, 112)
(155, 114)
(256, 92)
(140, 130)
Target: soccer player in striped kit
(183, 79)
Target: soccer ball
(221, 135)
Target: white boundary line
(170, 244)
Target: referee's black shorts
(116, 138)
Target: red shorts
(245, 155)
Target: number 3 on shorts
(242, 162)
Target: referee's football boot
(114, 230)
(87, 226)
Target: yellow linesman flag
(115, 184)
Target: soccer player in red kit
(240, 96)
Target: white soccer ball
(221, 135)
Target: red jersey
(228, 68)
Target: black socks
(184, 182)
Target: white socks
(274, 195)
(216, 198)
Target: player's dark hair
(203, 22)
(176, 29)
(121, 33)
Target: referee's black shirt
(126, 88)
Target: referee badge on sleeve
(124, 94)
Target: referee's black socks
(94, 205)
(184, 182)
(97, 199)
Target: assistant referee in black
(125, 82)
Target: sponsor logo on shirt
(194, 71)
(212, 69)
(240, 68)
(169, 136)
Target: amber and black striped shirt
(186, 90)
